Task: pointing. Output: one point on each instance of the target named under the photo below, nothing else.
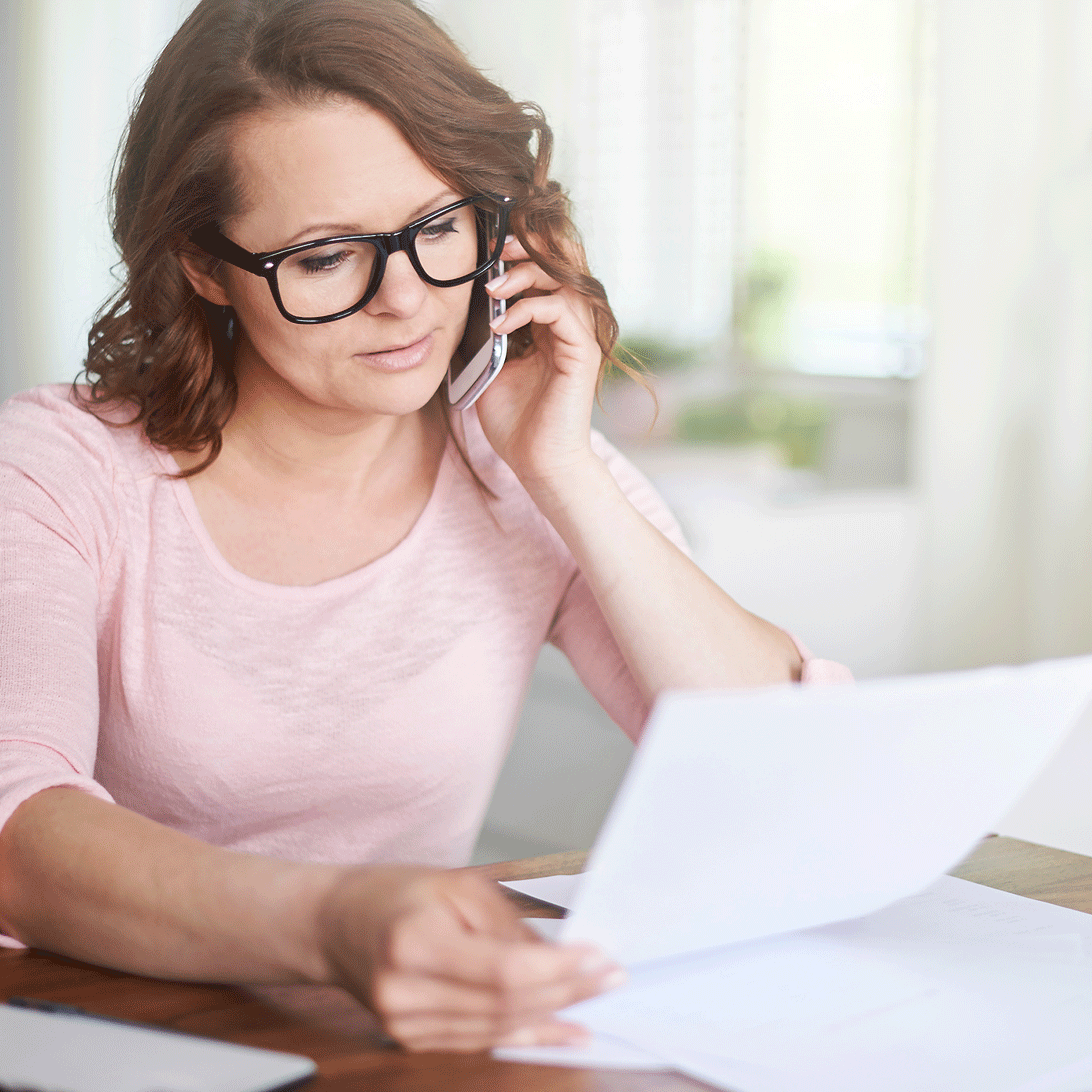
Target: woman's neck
(286, 435)
(301, 494)
(284, 438)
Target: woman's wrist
(360, 919)
(351, 914)
(301, 897)
(565, 483)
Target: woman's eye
(438, 228)
(323, 263)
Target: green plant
(764, 299)
(796, 426)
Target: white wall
(78, 67)
(9, 266)
(836, 569)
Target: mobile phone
(481, 353)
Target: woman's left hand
(537, 412)
(676, 629)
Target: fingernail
(577, 1039)
(509, 239)
(496, 282)
(615, 979)
(497, 323)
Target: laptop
(53, 1052)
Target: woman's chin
(402, 394)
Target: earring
(222, 329)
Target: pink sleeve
(50, 548)
(579, 628)
(581, 632)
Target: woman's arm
(440, 957)
(98, 882)
(675, 627)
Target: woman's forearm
(675, 627)
(442, 958)
(94, 881)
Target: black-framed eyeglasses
(328, 279)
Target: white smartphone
(481, 353)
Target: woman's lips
(400, 360)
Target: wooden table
(363, 1061)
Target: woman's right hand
(444, 961)
(441, 958)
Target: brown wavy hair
(156, 345)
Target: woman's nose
(401, 291)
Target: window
(752, 180)
(834, 185)
(750, 174)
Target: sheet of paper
(1054, 810)
(1070, 1078)
(951, 1041)
(748, 814)
(547, 928)
(603, 1052)
(958, 988)
(556, 890)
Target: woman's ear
(200, 270)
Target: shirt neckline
(336, 585)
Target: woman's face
(339, 168)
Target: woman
(269, 607)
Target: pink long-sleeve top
(363, 719)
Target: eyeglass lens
(333, 277)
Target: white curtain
(79, 67)
(653, 123)
(643, 99)
(1004, 433)
(1004, 430)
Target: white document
(547, 928)
(603, 1052)
(959, 988)
(749, 814)
(1054, 810)
(556, 890)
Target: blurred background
(851, 240)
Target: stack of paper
(771, 872)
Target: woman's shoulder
(53, 421)
(49, 438)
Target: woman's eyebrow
(319, 231)
(438, 202)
